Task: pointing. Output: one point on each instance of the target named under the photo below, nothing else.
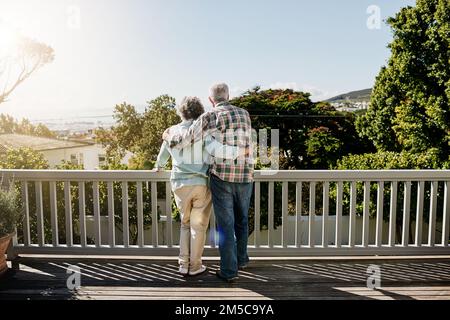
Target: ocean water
(77, 124)
(81, 122)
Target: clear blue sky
(135, 50)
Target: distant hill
(354, 96)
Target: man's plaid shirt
(229, 125)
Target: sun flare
(8, 39)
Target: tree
(124, 135)
(322, 147)
(409, 109)
(159, 115)
(312, 136)
(139, 133)
(19, 64)
(23, 158)
(10, 125)
(299, 120)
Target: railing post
(432, 221)
(140, 215)
(257, 228)
(169, 215)
(97, 226)
(419, 213)
(312, 213)
(446, 218)
(298, 214)
(406, 213)
(26, 221)
(68, 212)
(380, 212)
(366, 203)
(284, 212)
(39, 214)
(352, 227)
(82, 212)
(340, 187)
(111, 218)
(125, 220)
(393, 214)
(154, 199)
(54, 213)
(326, 195)
(271, 214)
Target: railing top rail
(353, 175)
(260, 175)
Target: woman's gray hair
(191, 108)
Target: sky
(113, 51)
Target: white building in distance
(89, 154)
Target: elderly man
(231, 181)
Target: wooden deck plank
(45, 278)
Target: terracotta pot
(4, 244)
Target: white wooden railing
(309, 227)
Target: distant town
(352, 102)
(83, 127)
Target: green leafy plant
(139, 133)
(311, 135)
(10, 211)
(409, 108)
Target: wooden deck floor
(45, 278)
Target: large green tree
(409, 109)
(312, 135)
(139, 133)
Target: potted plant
(10, 215)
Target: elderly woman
(189, 181)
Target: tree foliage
(10, 125)
(322, 147)
(139, 133)
(11, 213)
(20, 63)
(23, 158)
(409, 109)
(303, 124)
(392, 160)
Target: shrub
(392, 160)
(10, 212)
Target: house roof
(15, 141)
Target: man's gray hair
(219, 92)
(191, 108)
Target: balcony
(309, 229)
